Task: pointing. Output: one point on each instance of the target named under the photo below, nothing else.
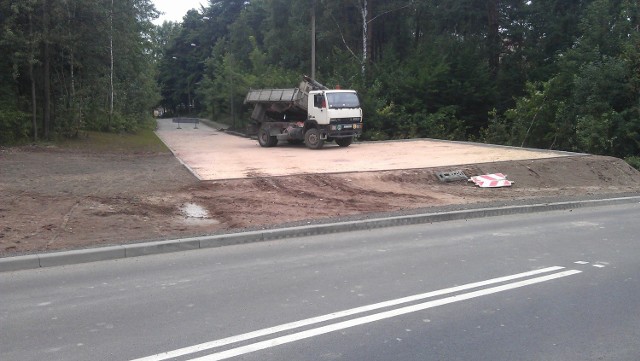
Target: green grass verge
(144, 141)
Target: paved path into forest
(213, 154)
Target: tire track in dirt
(99, 199)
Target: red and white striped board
(494, 180)
(495, 184)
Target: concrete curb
(149, 248)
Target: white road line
(377, 317)
(332, 316)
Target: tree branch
(344, 41)
(390, 11)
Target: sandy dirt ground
(214, 155)
(54, 199)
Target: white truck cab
(311, 113)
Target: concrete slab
(214, 155)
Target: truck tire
(266, 139)
(312, 139)
(344, 142)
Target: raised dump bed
(310, 113)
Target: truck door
(318, 111)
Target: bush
(14, 125)
(633, 161)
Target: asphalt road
(551, 286)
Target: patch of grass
(144, 141)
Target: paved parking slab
(213, 154)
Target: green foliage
(591, 103)
(497, 131)
(59, 57)
(528, 121)
(594, 132)
(14, 124)
(548, 74)
(395, 122)
(633, 161)
(443, 124)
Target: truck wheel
(312, 139)
(344, 142)
(266, 139)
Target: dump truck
(311, 114)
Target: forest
(552, 74)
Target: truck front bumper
(344, 129)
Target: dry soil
(53, 199)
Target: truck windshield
(343, 100)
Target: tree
(69, 58)
(591, 103)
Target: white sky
(174, 10)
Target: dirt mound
(61, 200)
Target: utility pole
(232, 101)
(313, 39)
(111, 67)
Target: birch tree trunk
(364, 11)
